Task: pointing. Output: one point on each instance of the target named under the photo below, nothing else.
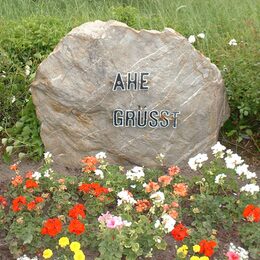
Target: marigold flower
(142, 205)
(204, 258)
(207, 247)
(180, 232)
(52, 227)
(77, 210)
(182, 251)
(64, 241)
(17, 180)
(76, 227)
(180, 189)
(251, 213)
(75, 246)
(3, 201)
(79, 255)
(196, 248)
(47, 253)
(18, 203)
(173, 170)
(165, 180)
(152, 186)
(30, 184)
(194, 258)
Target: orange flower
(252, 213)
(77, 210)
(165, 180)
(152, 186)
(173, 170)
(3, 201)
(39, 199)
(14, 167)
(76, 227)
(142, 205)
(175, 204)
(51, 227)
(173, 213)
(90, 162)
(180, 232)
(207, 247)
(28, 175)
(18, 203)
(180, 189)
(30, 184)
(17, 180)
(93, 188)
(31, 205)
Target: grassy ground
(29, 29)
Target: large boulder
(86, 103)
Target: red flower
(252, 213)
(76, 227)
(18, 203)
(38, 199)
(207, 247)
(179, 232)
(93, 188)
(77, 210)
(14, 167)
(51, 227)
(17, 180)
(31, 184)
(3, 201)
(31, 205)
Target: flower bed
(128, 213)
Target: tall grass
(31, 28)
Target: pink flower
(115, 222)
(104, 218)
(232, 255)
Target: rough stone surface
(74, 100)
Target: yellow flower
(196, 248)
(79, 255)
(75, 246)
(64, 241)
(47, 253)
(204, 258)
(194, 258)
(182, 251)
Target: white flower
(125, 197)
(201, 35)
(133, 186)
(218, 150)
(233, 42)
(233, 160)
(48, 157)
(101, 156)
(157, 223)
(250, 188)
(219, 179)
(13, 99)
(99, 173)
(37, 175)
(127, 223)
(196, 162)
(168, 223)
(229, 152)
(158, 197)
(243, 170)
(47, 173)
(135, 174)
(27, 70)
(191, 39)
(25, 257)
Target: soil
(246, 150)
